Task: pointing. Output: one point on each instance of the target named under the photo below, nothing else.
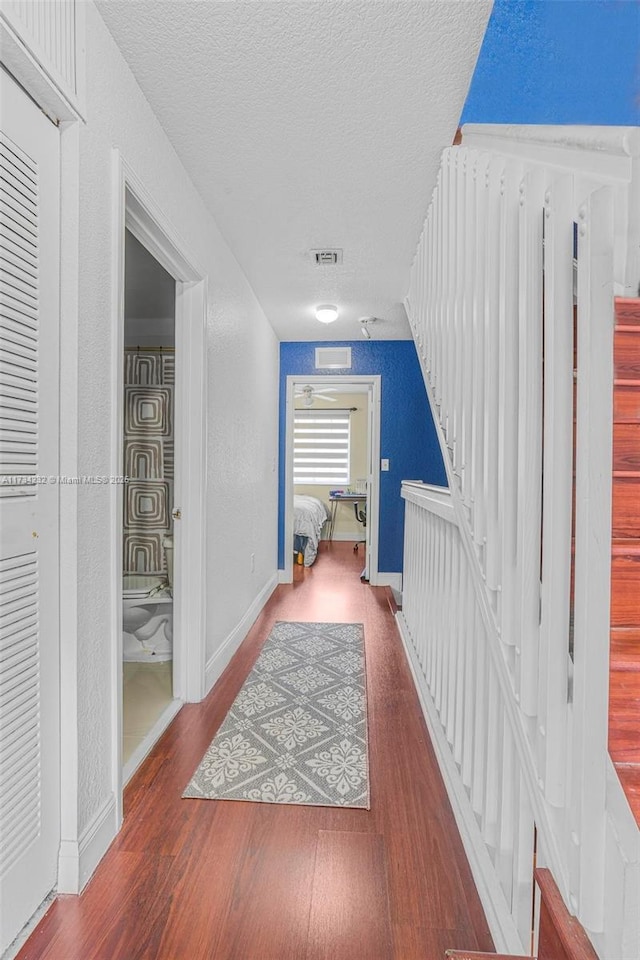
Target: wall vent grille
(333, 358)
(326, 258)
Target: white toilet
(147, 614)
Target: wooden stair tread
(624, 649)
(626, 404)
(474, 955)
(627, 310)
(625, 507)
(626, 474)
(626, 635)
(626, 445)
(625, 546)
(624, 715)
(629, 776)
(561, 935)
(625, 689)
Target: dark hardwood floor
(225, 880)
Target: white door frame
(135, 210)
(372, 384)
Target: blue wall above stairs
(407, 433)
(558, 62)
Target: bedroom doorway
(332, 468)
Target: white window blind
(321, 446)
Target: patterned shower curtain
(149, 378)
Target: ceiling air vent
(333, 358)
(326, 258)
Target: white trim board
(32, 68)
(79, 860)
(393, 580)
(135, 209)
(69, 367)
(145, 747)
(217, 663)
(344, 536)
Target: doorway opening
(158, 439)
(331, 480)
(148, 502)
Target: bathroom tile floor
(147, 690)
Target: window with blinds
(321, 440)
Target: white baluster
(523, 861)
(479, 504)
(468, 281)
(492, 348)
(509, 776)
(445, 234)
(557, 487)
(470, 667)
(454, 638)
(480, 720)
(508, 402)
(436, 281)
(529, 435)
(457, 387)
(493, 781)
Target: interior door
(29, 639)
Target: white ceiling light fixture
(326, 313)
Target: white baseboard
(345, 535)
(78, 859)
(503, 930)
(217, 663)
(393, 580)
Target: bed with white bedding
(309, 516)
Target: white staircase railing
(525, 243)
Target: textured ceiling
(310, 124)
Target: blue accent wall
(558, 62)
(407, 433)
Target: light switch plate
(384, 464)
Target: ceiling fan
(309, 394)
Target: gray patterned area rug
(297, 731)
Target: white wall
(242, 424)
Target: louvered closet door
(29, 641)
